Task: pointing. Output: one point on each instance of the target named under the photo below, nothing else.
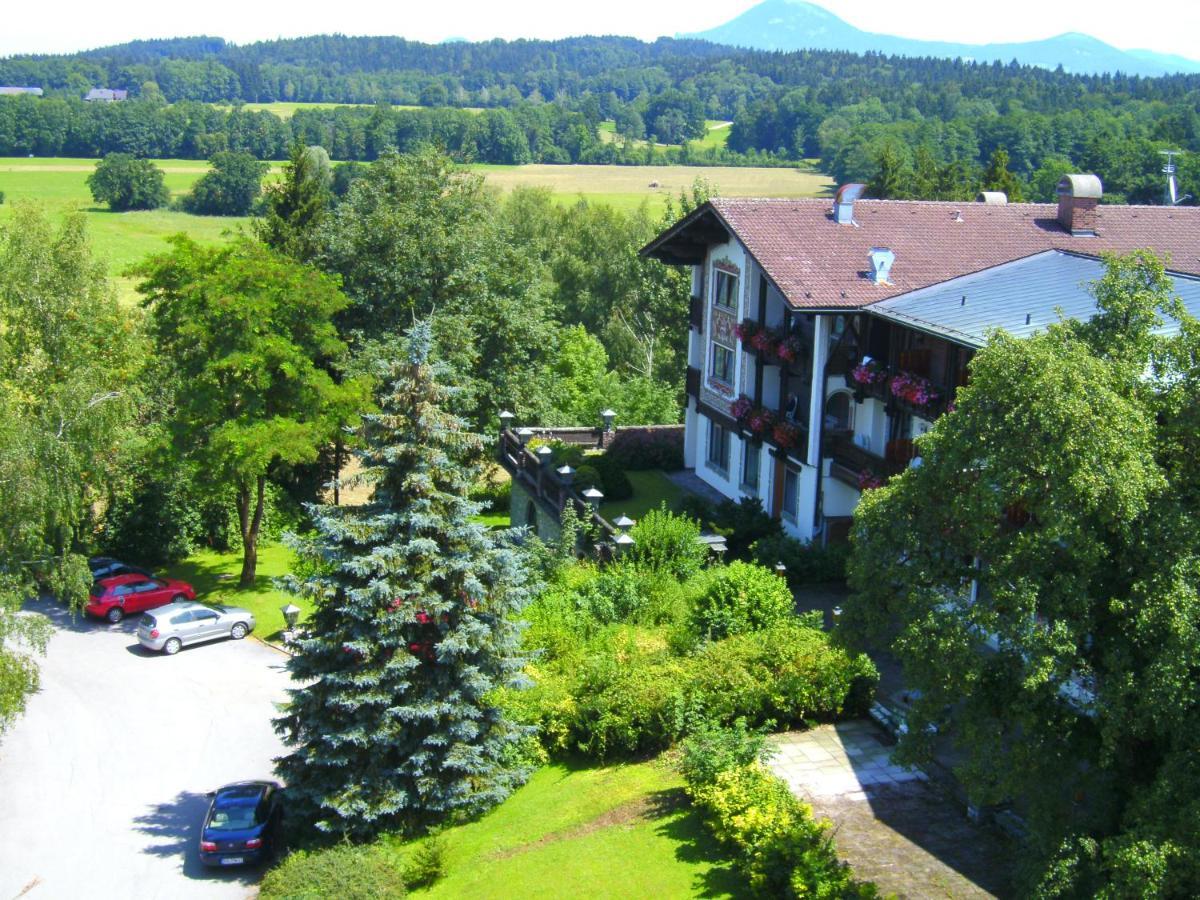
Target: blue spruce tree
(391, 724)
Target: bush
(428, 863)
(494, 493)
(806, 563)
(124, 183)
(742, 597)
(231, 188)
(344, 871)
(636, 449)
(712, 748)
(788, 674)
(665, 542)
(1, 198)
(741, 523)
(613, 481)
(777, 845)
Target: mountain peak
(801, 25)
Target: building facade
(826, 340)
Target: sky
(1168, 26)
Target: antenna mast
(1170, 195)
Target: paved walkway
(891, 824)
(104, 777)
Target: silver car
(169, 628)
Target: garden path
(891, 824)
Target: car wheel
(115, 615)
(172, 646)
(238, 631)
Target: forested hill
(945, 118)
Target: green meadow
(122, 239)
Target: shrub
(742, 597)
(742, 522)
(788, 674)
(629, 700)
(712, 748)
(665, 542)
(635, 449)
(777, 845)
(344, 871)
(427, 864)
(231, 188)
(1, 198)
(613, 481)
(494, 493)
(806, 563)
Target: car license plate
(232, 860)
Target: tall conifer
(391, 722)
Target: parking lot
(105, 776)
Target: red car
(121, 595)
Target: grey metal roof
(1021, 297)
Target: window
(725, 289)
(750, 461)
(718, 447)
(791, 493)
(839, 412)
(722, 363)
(204, 615)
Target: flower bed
(773, 343)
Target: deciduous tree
(125, 183)
(249, 334)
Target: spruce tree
(392, 724)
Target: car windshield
(148, 620)
(97, 589)
(232, 818)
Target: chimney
(843, 203)
(992, 198)
(881, 264)
(1078, 197)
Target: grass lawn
(214, 576)
(119, 239)
(616, 831)
(650, 490)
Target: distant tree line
(526, 133)
(941, 120)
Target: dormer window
(725, 286)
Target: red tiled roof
(817, 263)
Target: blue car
(243, 824)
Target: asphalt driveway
(103, 781)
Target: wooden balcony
(848, 461)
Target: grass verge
(215, 577)
(650, 490)
(595, 832)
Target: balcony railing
(859, 467)
(775, 346)
(901, 390)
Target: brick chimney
(1078, 197)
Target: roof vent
(843, 203)
(992, 198)
(881, 264)
(1078, 197)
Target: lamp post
(781, 570)
(623, 542)
(543, 454)
(593, 497)
(565, 474)
(608, 415)
(506, 418)
(291, 615)
(624, 523)
(524, 434)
